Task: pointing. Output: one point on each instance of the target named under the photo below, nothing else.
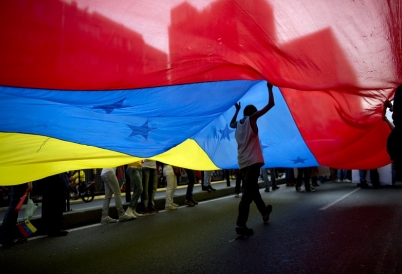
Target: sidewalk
(82, 214)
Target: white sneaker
(125, 218)
(136, 214)
(130, 212)
(171, 207)
(347, 181)
(108, 220)
(176, 205)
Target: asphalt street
(338, 229)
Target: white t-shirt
(149, 164)
(107, 169)
(248, 144)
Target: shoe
(266, 190)
(244, 231)
(338, 180)
(176, 205)
(363, 185)
(194, 202)
(315, 184)
(211, 188)
(153, 210)
(347, 181)
(265, 218)
(108, 220)
(136, 214)
(205, 188)
(130, 212)
(237, 195)
(311, 189)
(171, 207)
(15, 241)
(189, 203)
(298, 189)
(275, 187)
(125, 218)
(58, 233)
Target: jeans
(251, 192)
(150, 184)
(191, 181)
(207, 178)
(289, 175)
(135, 176)
(8, 228)
(341, 174)
(303, 175)
(111, 187)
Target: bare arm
(258, 114)
(233, 123)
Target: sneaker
(338, 180)
(108, 220)
(130, 212)
(211, 188)
(189, 203)
(347, 181)
(136, 214)
(153, 210)
(125, 218)
(363, 185)
(171, 207)
(194, 202)
(275, 187)
(298, 189)
(206, 188)
(266, 190)
(175, 204)
(244, 231)
(311, 189)
(265, 218)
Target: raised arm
(259, 113)
(233, 123)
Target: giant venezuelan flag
(99, 83)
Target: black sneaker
(211, 188)
(275, 187)
(244, 231)
(266, 216)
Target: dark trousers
(9, 228)
(251, 192)
(53, 202)
(239, 185)
(303, 175)
(190, 186)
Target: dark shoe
(194, 202)
(275, 187)
(363, 185)
(58, 233)
(244, 231)
(153, 210)
(15, 241)
(266, 216)
(315, 184)
(266, 190)
(205, 188)
(211, 188)
(189, 203)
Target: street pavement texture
(338, 229)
